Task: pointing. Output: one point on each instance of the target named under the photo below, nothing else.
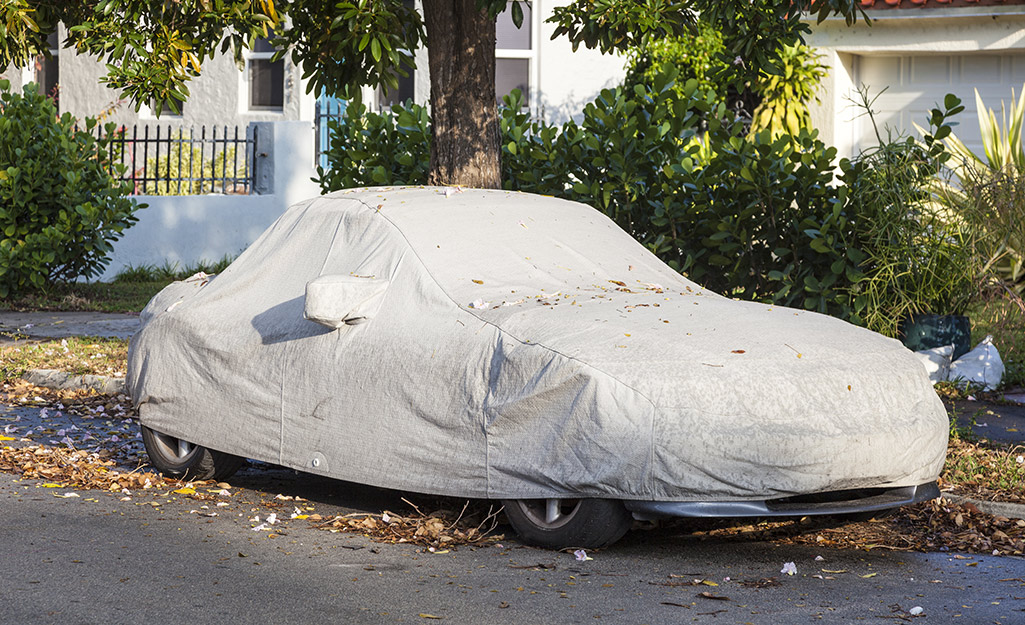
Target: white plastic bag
(937, 362)
(982, 366)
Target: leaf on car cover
(185, 491)
(431, 616)
(708, 595)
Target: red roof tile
(932, 4)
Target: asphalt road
(97, 559)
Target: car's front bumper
(835, 502)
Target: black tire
(180, 459)
(562, 523)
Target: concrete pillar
(283, 163)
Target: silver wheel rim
(174, 449)
(549, 513)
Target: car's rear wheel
(561, 523)
(181, 459)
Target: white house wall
(562, 80)
(568, 80)
(919, 55)
(217, 96)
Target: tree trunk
(465, 149)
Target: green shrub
(762, 220)
(378, 149)
(198, 175)
(60, 207)
(785, 96)
(991, 189)
(750, 216)
(696, 55)
(919, 256)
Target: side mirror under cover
(337, 300)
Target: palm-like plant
(991, 188)
(1001, 142)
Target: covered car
(501, 345)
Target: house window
(265, 78)
(47, 70)
(515, 54)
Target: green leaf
(517, 14)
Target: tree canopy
(153, 48)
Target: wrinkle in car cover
(523, 347)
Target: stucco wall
(192, 228)
(568, 80)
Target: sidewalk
(56, 325)
(40, 326)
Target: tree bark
(465, 148)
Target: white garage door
(916, 84)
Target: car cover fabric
(523, 347)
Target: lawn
(130, 290)
(122, 296)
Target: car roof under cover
(500, 247)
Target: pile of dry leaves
(937, 525)
(437, 531)
(76, 468)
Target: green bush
(919, 256)
(378, 149)
(60, 207)
(696, 55)
(762, 220)
(785, 96)
(991, 188)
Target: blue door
(328, 108)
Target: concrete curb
(52, 378)
(996, 508)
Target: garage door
(917, 83)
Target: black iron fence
(175, 161)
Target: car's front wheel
(181, 459)
(562, 523)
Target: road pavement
(95, 558)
